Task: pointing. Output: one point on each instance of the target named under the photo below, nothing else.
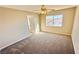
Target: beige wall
(67, 22)
(13, 26)
(75, 32)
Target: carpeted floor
(42, 43)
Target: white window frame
(53, 19)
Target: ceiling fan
(45, 11)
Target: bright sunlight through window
(54, 20)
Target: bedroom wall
(75, 32)
(67, 22)
(13, 26)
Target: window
(54, 20)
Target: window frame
(53, 25)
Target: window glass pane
(58, 20)
(54, 20)
(49, 20)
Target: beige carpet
(42, 43)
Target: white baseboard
(15, 41)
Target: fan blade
(36, 10)
(51, 10)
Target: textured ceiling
(33, 8)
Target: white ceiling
(32, 8)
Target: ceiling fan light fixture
(43, 12)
